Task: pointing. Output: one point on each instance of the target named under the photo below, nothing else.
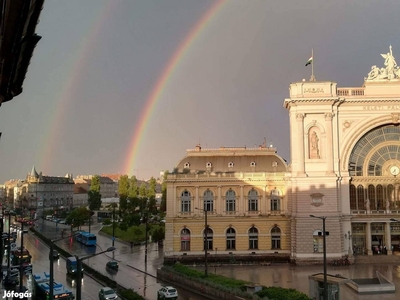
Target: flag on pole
(309, 61)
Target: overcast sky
(98, 63)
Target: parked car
(62, 222)
(113, 265)
(56, 255)
(167, 292)
(11, 279)
(107, 293)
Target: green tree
(158, 234)
(143, 190)
(151, 191)
(151, 205)
(94, 200)
(95, 183)
(78, 216)
(163, 204)
(133, 187)
(123, 190)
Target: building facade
(39, 192)
(345, 167)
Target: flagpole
(312, 66)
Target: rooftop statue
(389, 72)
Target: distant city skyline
(127, 86)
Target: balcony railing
(350, 92)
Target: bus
(72, 266)
(86, 238)
(41, 288)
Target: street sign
(113, 238)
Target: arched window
(230, 201)
(231, 239)
(379, 197)
(185, 201)
(185, 239)
(371, 197)
(353, 197)
(208, 245)
(253, 238)
(276, 237)
(360, 197)
(208, 200)
(253, 200)
(275, 200)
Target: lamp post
(51, 258)
(324, 250)
(79, 270)
(205, 241)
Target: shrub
(278, 293)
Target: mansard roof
(224, 159)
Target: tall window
(208, 200)
(371, 197)
(231, 239)
(209, 243)
(379, 197)
(185, 201)
(276, 237)
(253, 238)
(360, 197)
(185, 239)
(275, 200)
(353, 197)
(230, 201)
(253, 200)
(318, 241)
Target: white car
(107, 293)
(167, 292)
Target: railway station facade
(345, 166)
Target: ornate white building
(345, 163)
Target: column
(197, 200)
(221, 208)
(329, 143)
(368, 238)
(300, 144)
(242, 204)
(388, 242)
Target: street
(130, 261)
(40, 263)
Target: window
(208, 165)
(230, 165)
(230, 200)
(231, 239)
(276, 238)
(185, 201)
(275, 200)
(253, 164)
(208, 200)
(209, 244)
(253, 238)
(185, 239)
(186, 165)
(253, 200)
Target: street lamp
(79, 270)
(324, 250)
(51, 257)
(205, 241)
